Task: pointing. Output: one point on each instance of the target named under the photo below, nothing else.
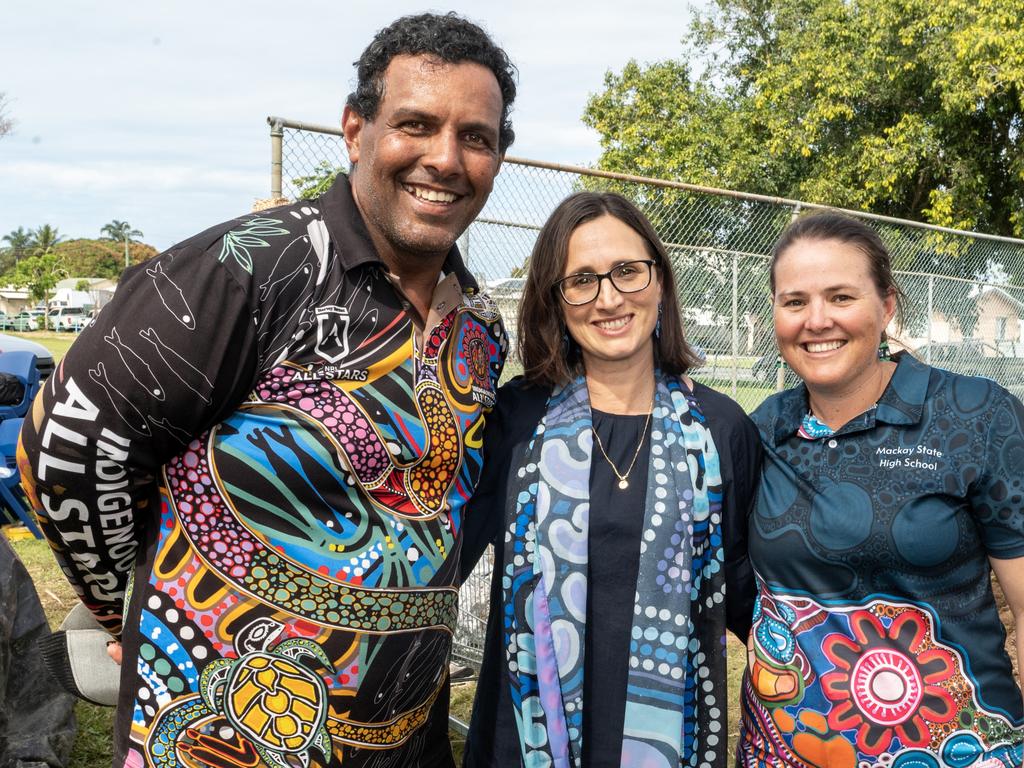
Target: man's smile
(430, 195)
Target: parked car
(64, 318)
(23, 321)
(76, 323)
(44, 358)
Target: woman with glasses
(615, 492)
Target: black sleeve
(167, 358)
(510, 427)
(739, 449)
(485, 508)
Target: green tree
(319, 181)
(911, 108)
(39, 274)
(85, 257)
(121, 231)
(45, 239)
(19, 242)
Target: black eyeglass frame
(557, 286)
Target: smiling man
(267, 439)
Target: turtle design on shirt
(272, 693)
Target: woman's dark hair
(850, 231)
(541, 326)
(447, 37)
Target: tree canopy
(120, 231)
(39, 274)
(911, 108)
(84, 257)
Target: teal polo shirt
(875, 623)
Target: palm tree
(121, 230)
(19, 241)
(44, 239)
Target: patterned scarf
(675, 693)
(812, 429)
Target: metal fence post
(735, 322)
(276, 143)
(931, 295)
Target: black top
(616, 525)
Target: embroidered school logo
(332, 333)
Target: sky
(155, 113)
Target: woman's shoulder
(721, 410)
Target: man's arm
(171, 353)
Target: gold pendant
(623, 484)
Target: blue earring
(657, 326)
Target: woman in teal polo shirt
(891, 491)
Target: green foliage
(100, 258)
(909, 108)
(312, 186)
(120, 231)
(44, 239)
(19, 242)
(39, 274)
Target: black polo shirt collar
(902, 402)
(351, 239)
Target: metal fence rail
(965, 308)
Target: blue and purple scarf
(675, 693)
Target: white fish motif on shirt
(172, 296)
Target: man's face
(425, 165)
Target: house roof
(1005, 294)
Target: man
(269, 434)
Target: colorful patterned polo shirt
(255, 439)
(876, 638)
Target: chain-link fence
(964, 309)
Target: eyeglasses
(583, 287)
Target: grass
(57, 343)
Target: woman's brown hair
(547, 359)
(849, 231)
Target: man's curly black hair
(447, 37)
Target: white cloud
(158, 110)
(101, 178)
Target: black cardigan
(493, 740)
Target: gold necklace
(624, 477)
